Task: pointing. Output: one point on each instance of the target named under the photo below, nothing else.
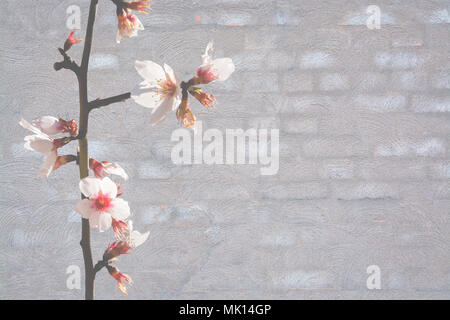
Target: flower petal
(115, 168)
(170, 73)
(148, 99)
(94, 219)
(90, 187)
(25, 124)
(108, 187)
(120, 209)
(224, 68)
(150, 71)
(104, 221)
(48, 125)
(38, 143)
(207, 56)
(137, 238)
(85, 208)
(160, 113)
(49, 162)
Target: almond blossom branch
(98, 103)
(67, 63)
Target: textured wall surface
(364, 151)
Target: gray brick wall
(364, 151)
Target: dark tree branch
(98, 103)
(83, 157)
(67, 63)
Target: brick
(430, 104)
(343, 146)
(297, 81)
(314, 60)
(403, 147)
(334, 81)
(360, 191)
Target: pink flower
(70, 41)
(104, 167)
(160, 89)
(102, 204)
(119, 276)
(213, 70)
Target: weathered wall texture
(364, 151)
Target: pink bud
(70, 41)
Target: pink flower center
(102, 202)
(207, 74)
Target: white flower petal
(160, 113)
(149, 99)
(137, 238)
(115, 168)
(150, 71)
(120, 209)
(224, 68)
(48, 124)
(24, 123)
(94, 219)
(48, 165)
(38, 143)
(108, 187)
(207, 56)
(85, 208)
(90, 187)
(104, 221)
(170, 73)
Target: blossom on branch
(128, 23)
(101, 169)
(160, 89)
(43, 143)
(119, 276)
(102, 204)
(213, 70)
(51, 125)
(70, 41)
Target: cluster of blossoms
(104, 210)
(163, 91)
(102, 205)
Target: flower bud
(120, 228)
(185, 115)
(62, 160)
(206, 99)
(70, 41)
(119, 276)
(115, 249)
